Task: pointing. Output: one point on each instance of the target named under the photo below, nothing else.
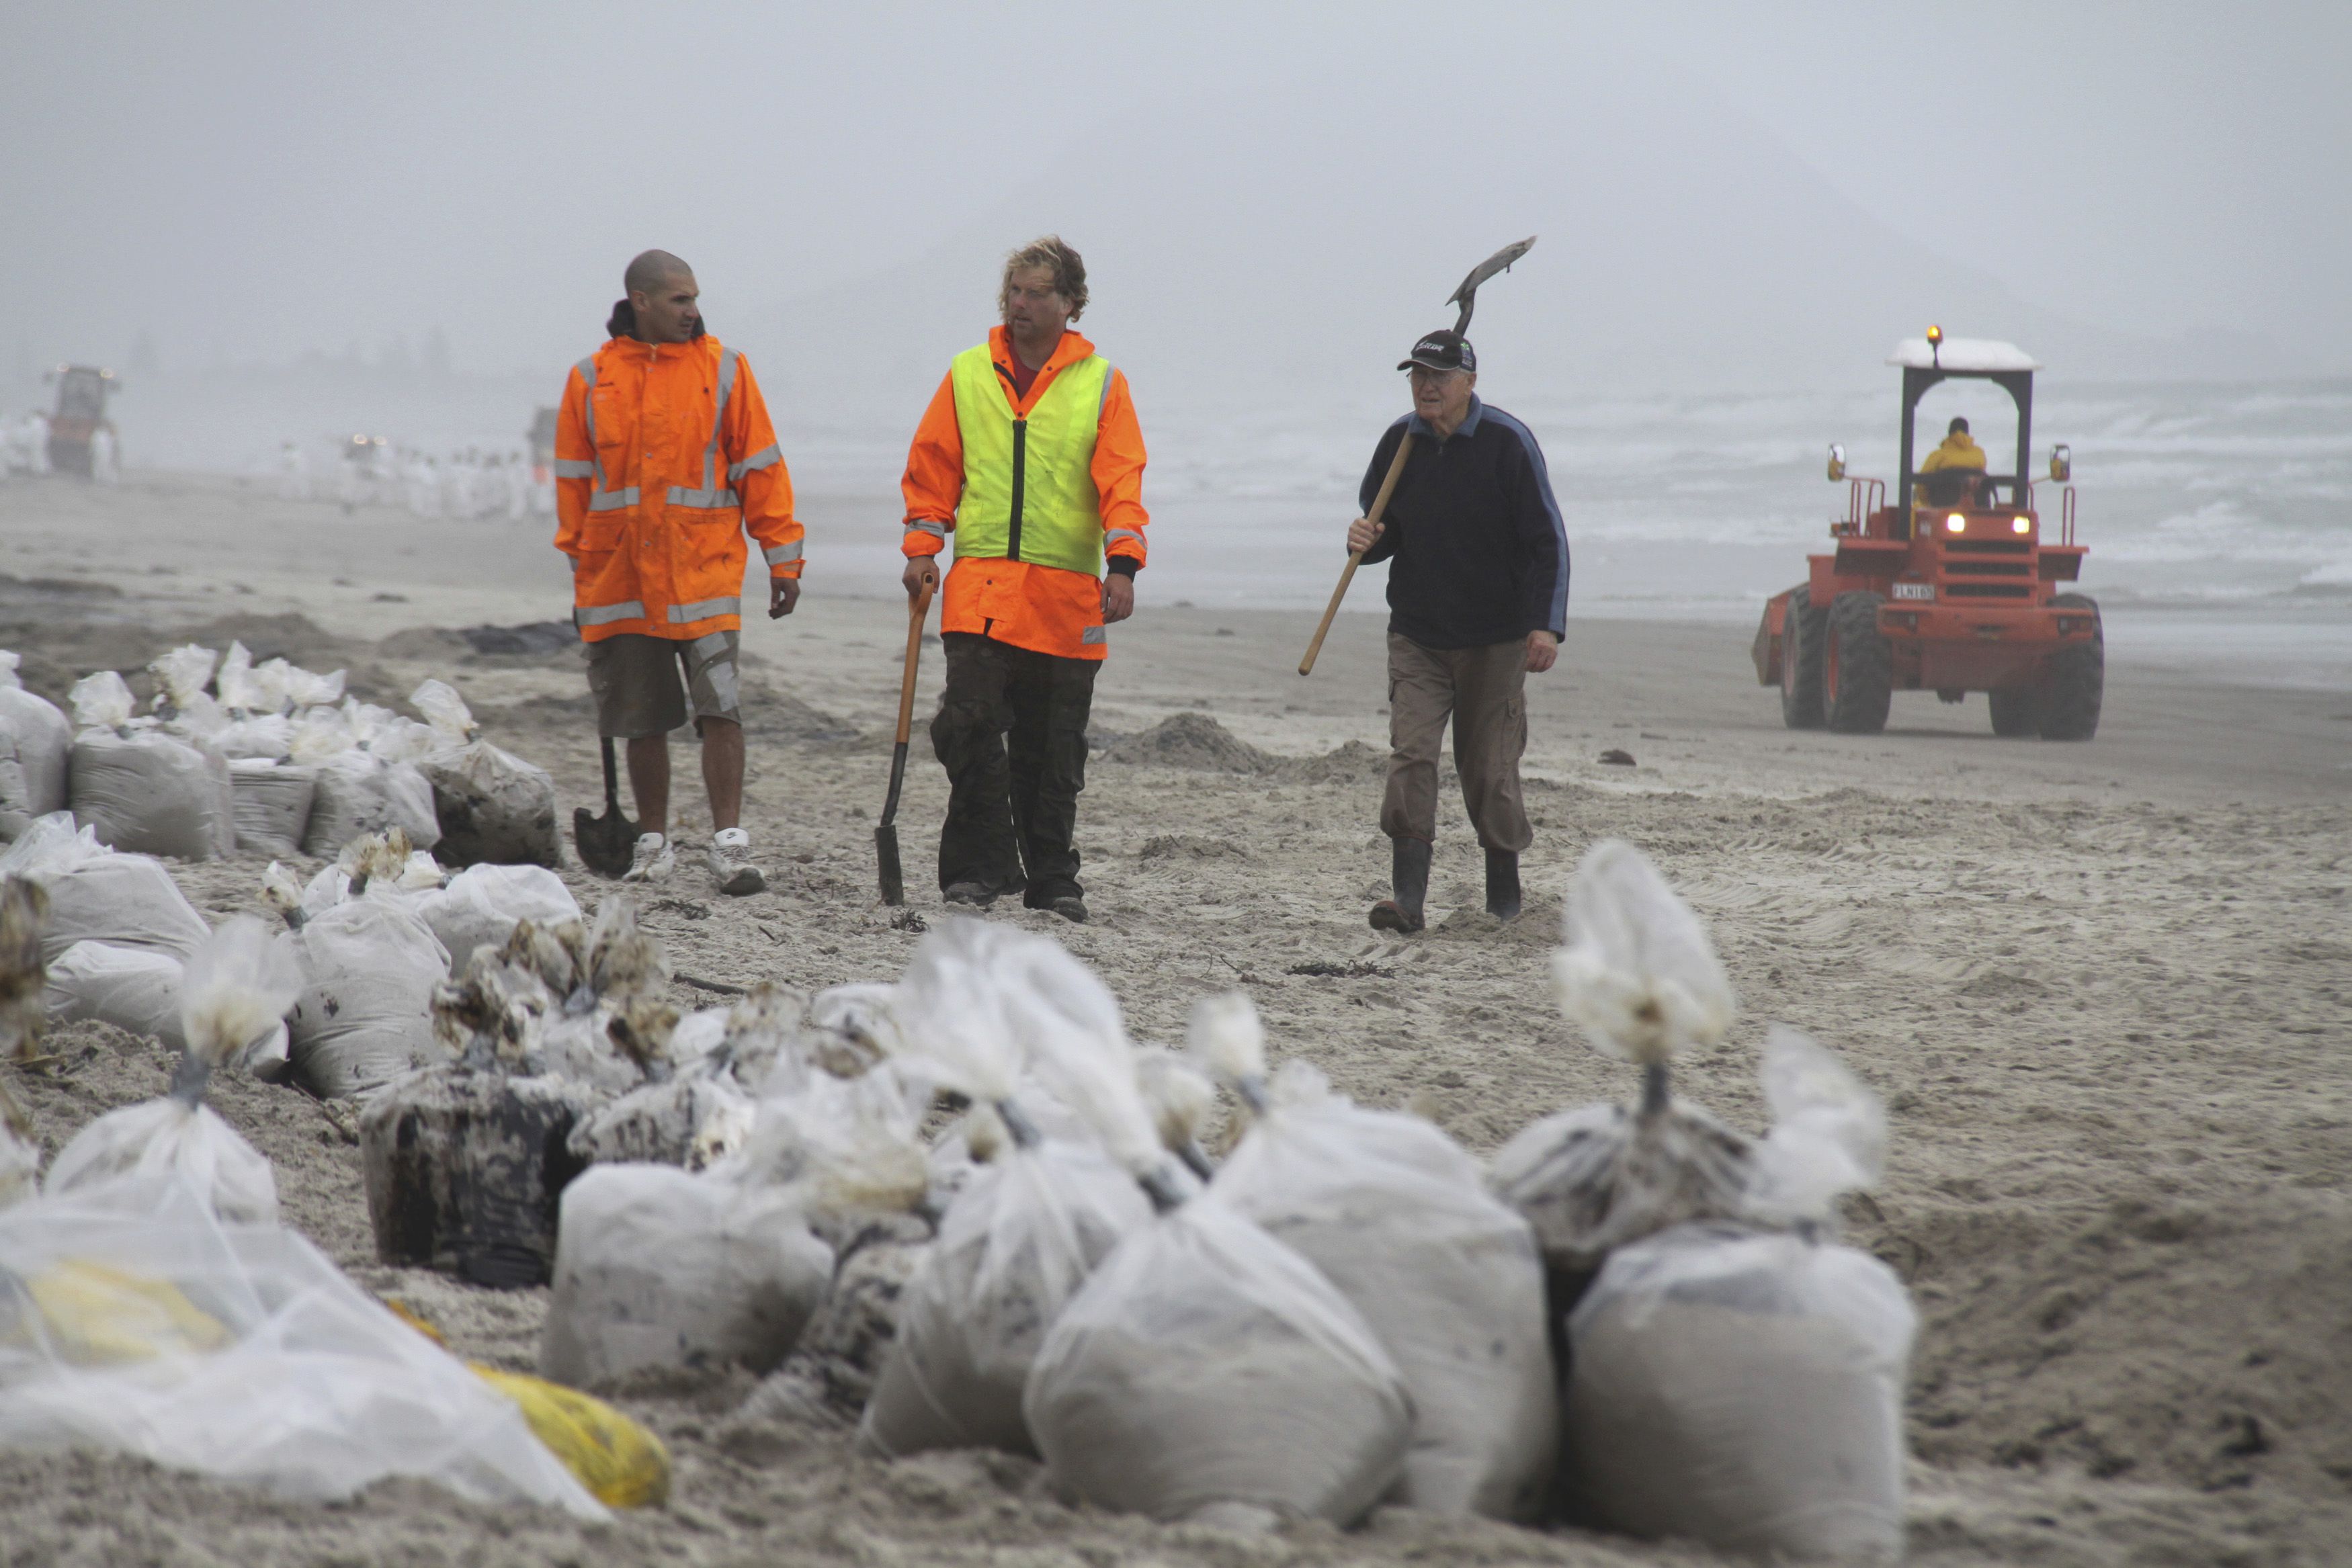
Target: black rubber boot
(1409, 873)
(1502, 884)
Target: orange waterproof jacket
(1047, 609)
(664, 457)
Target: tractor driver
(1958, 454)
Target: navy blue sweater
(1478, 550)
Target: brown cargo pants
(1484, 690)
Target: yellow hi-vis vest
(1029, 484)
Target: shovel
(886, 831)
(1466, 296)
(606, 842)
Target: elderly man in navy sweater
(1477, 600)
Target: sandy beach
(2105, 989)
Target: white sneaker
(732, 869)
(652, 860)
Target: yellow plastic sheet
(92, 1314)
(618, 1460)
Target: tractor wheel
(2016, 710)
(1858, 677)
(2076, 679)
(1804, 630)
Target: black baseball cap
(1443, 351)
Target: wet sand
(2103, 988)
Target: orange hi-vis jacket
(1047, 609)
(664, 458)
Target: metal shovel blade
(886, 857)
(1466, 296)
(606, 842)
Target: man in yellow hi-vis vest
(1030, 455)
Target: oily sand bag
(35, 742)
(358, 793)
(655, 1266)
(99, 896)
(148, 792)
(1205, 1364)
(1394, 1214)
(1744, 1389)
(134, 988)
(1016, 1245)
(272, 805)
(364, 1017)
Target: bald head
(663, 300)
(650, 269)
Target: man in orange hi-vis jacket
(664, 460)
(1030, 455)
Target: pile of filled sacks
(268, 759)
(370, 937)
(150, 1302)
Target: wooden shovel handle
(1356, 558)
(915, 616)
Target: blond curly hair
(1067, 266)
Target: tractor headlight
(1956, 522)
(2021, 525)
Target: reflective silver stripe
(613, 500)
(727, 358)
(766, 457)
(925, 526)
(682, 614)
(1092, 637)
(1111, 536)
(1102, 398)
(573, 468)
(606, 614)
(782, 553)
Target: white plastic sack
(99, 896)
(1205, 1365)
(272, 802)
(361, 793)
(35, 740)
(688, 1120)
(363, 1017)
(239, 1351)
(480, 905)
(265, 738)
(134, 988)
(1394, 1214)
(148, 793)
(1744, 1390)
(1014, 1247)
(655, 1266)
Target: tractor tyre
(1858, 677)
(2016, 710)
(2076, 679)
(1804, 636)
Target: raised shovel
(606, 842)
(886, 831)
(1466, 296)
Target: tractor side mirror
(1837, 462)
(2062, 462)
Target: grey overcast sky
(254, 181)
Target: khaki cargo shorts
(635, 681)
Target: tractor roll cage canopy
(1925, 362)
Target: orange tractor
(1952, 586)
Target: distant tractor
(82, 391)
(1950, 587)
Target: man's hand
(921, 576)
(1363, 534)
(1543, 648)
(1118, 598)
(783, 592)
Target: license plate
(1915, 590)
